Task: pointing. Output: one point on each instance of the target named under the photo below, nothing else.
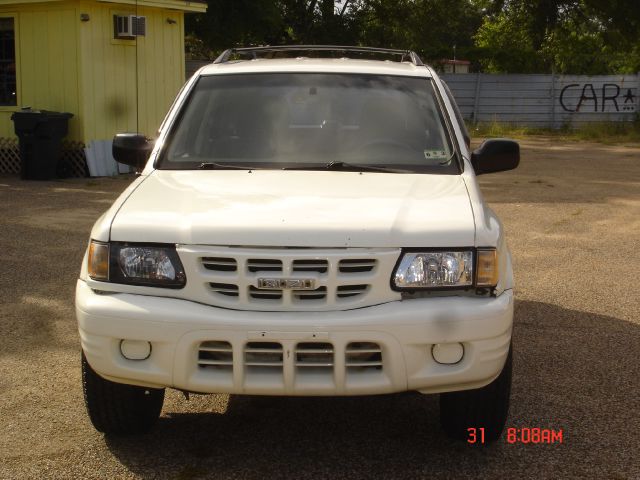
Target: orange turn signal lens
(487, 269)
(99, 261)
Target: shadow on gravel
(44, 231)
(536, 188)
(573, 370)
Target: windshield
(311, 120)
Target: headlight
(136, 264)
(435, 270)
(446, 269)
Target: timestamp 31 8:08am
(524, 435)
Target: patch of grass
(498, 129)
(607, 132)
(602, 132)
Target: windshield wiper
(332, 165)
(340, 165)
(223, 166)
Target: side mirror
(131, 149)
(496, 155)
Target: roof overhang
(187, 6)
(16, 2)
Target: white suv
(308, 222)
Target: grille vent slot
(314, 355)
(317, 294)
(228, 289)
(345, 291)
(356, 265)
(263, 355)
(260, 294)
(220, 264)
(264, 265)
(363, 356)
(319, 266)
(214, 355)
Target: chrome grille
(244, 278)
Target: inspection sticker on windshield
(436, 155)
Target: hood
(298, 209)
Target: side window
(8, 94)
(463, 126)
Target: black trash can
(40, 133)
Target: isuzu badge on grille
(287, 283)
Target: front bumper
(405, 331)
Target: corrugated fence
(546, 100)
(538, 100)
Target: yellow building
(116, 65)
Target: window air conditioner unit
(127, 26)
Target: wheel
(116, 408)
(485, 407)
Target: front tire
(116, 408)
(486, 407)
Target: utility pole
(454, 58)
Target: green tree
(523, 36)
(563, 36)
(506, 43)
(236, 23)
(321, 22)
(431, 27)
(270, 22)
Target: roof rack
(254, 52)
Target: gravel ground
(572, 217)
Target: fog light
(447, 353)
(135, 349)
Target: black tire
(117, 408)
(486, 407)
